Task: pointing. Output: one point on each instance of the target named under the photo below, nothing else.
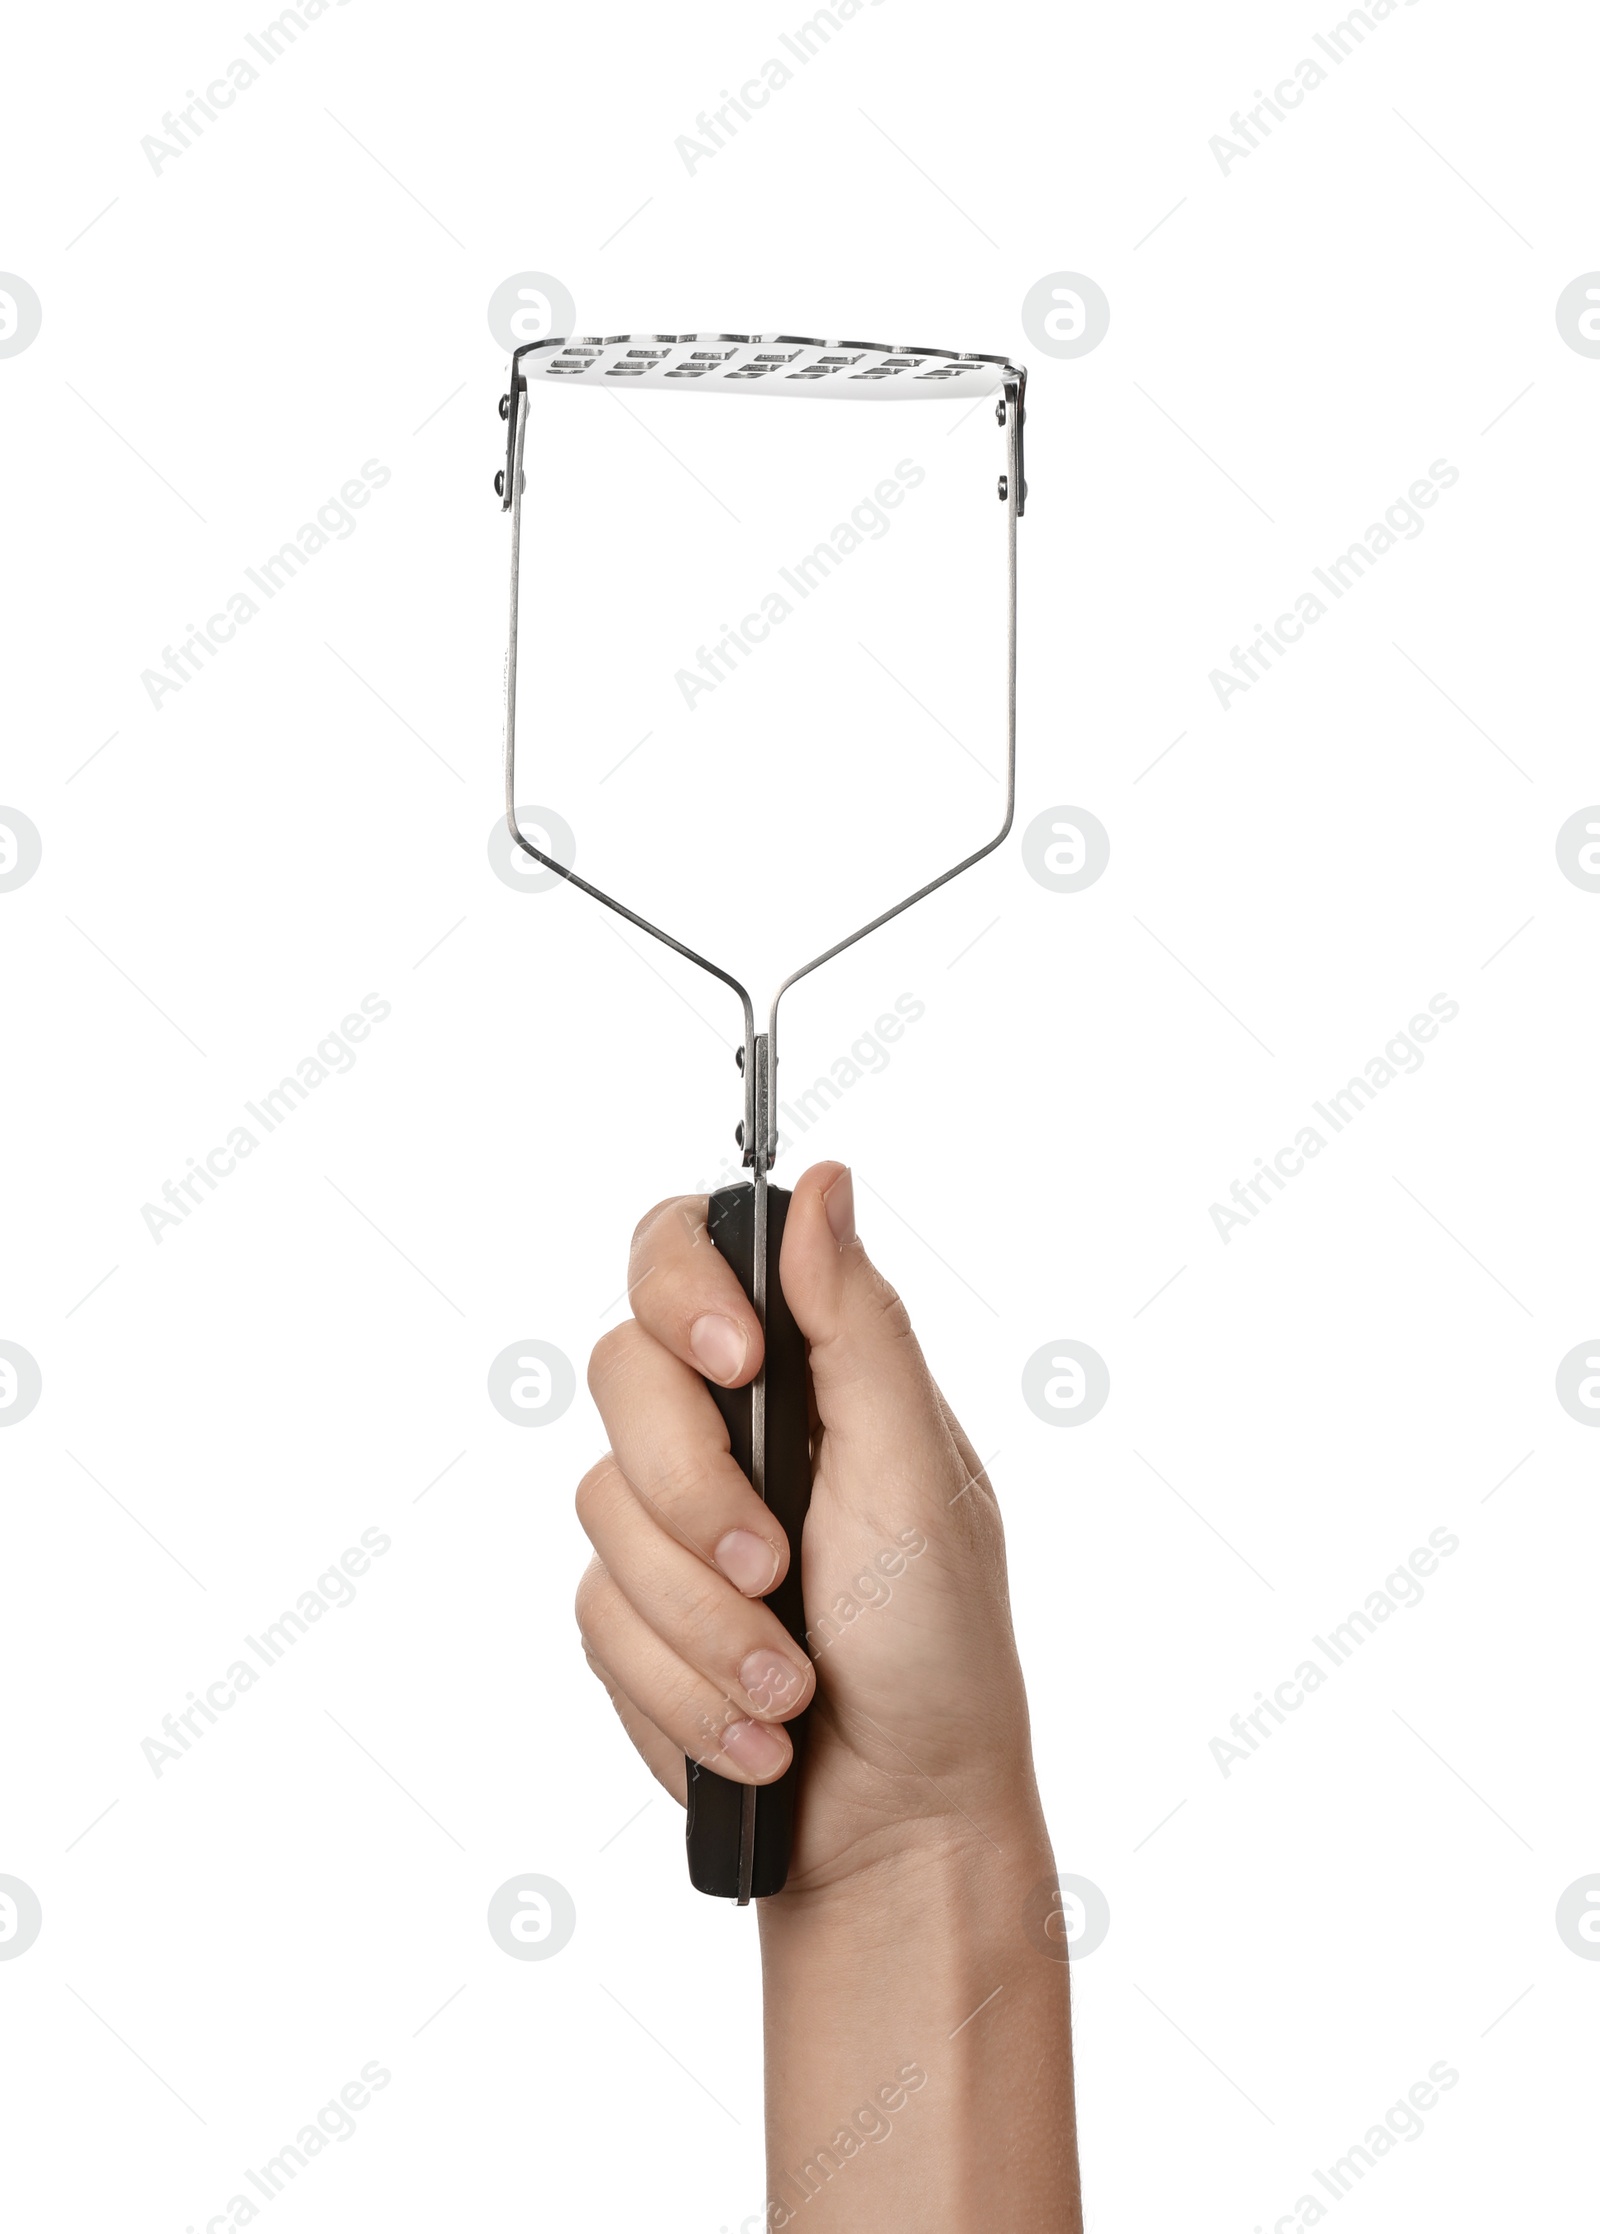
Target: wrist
(916, 1997)
(933, 1919)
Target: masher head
(764, 364)
(771, 365)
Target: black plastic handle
(719, 1835)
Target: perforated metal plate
(762, 364)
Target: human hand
(919, 1735)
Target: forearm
(918, 2047)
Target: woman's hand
(920, 1727)
(918, 2046)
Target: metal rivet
(999, 414)
(505, 407)
(500, 483)
(738, 1056)
(738, 1134)
(1001, 490)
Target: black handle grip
(733, 1824)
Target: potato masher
(739, 1836)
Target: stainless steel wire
(759, 1136)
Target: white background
(1292, 343)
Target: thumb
(875, 1395)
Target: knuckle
(704, 1612)
(699, 1628)
(679, 1486)
(591, 1490)
(655, 1225)
(674, 1217)
(612, 1355)
(587, 1602)
(652, 1218)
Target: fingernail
(770, 1682)
(748, 1561)
(755, 1747)
(718, 1345)
(840, 1204)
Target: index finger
(685, 1293)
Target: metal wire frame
(759, 1137)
